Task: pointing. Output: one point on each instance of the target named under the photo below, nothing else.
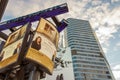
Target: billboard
(12, 47)
(63, 71)
(43, 47)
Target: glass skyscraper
(89, 61)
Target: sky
(103, 15)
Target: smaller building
(64, 69)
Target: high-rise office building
(89, 61)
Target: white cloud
(116, 71)
(22, 7)
(114, 0)
(96, 2)
(105, 33)
(105, 49)
(113, 17)
(104, 21)
(118, 44)
(117, 74)
(117, 47)
(117, 67)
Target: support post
(56, 21)
(3, 35)
(12, 29)
(20, 74)
(34, 75)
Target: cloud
(113, 17)
(105, 33)
(118, 44)
(103, 20)
(105, 49)
(98, 16)
(116, 71)
(117, 47)
(22, 7)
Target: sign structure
(50, 12)
(62, 71)
(12, 47)
(44, 46)
(36, 48)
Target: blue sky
(104, 17)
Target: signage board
(43, 47)
(13, 46)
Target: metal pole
(34, 75)
(20, 74)
(56, 21)
(7, 76)
(3, 35)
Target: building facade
(89, 61)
